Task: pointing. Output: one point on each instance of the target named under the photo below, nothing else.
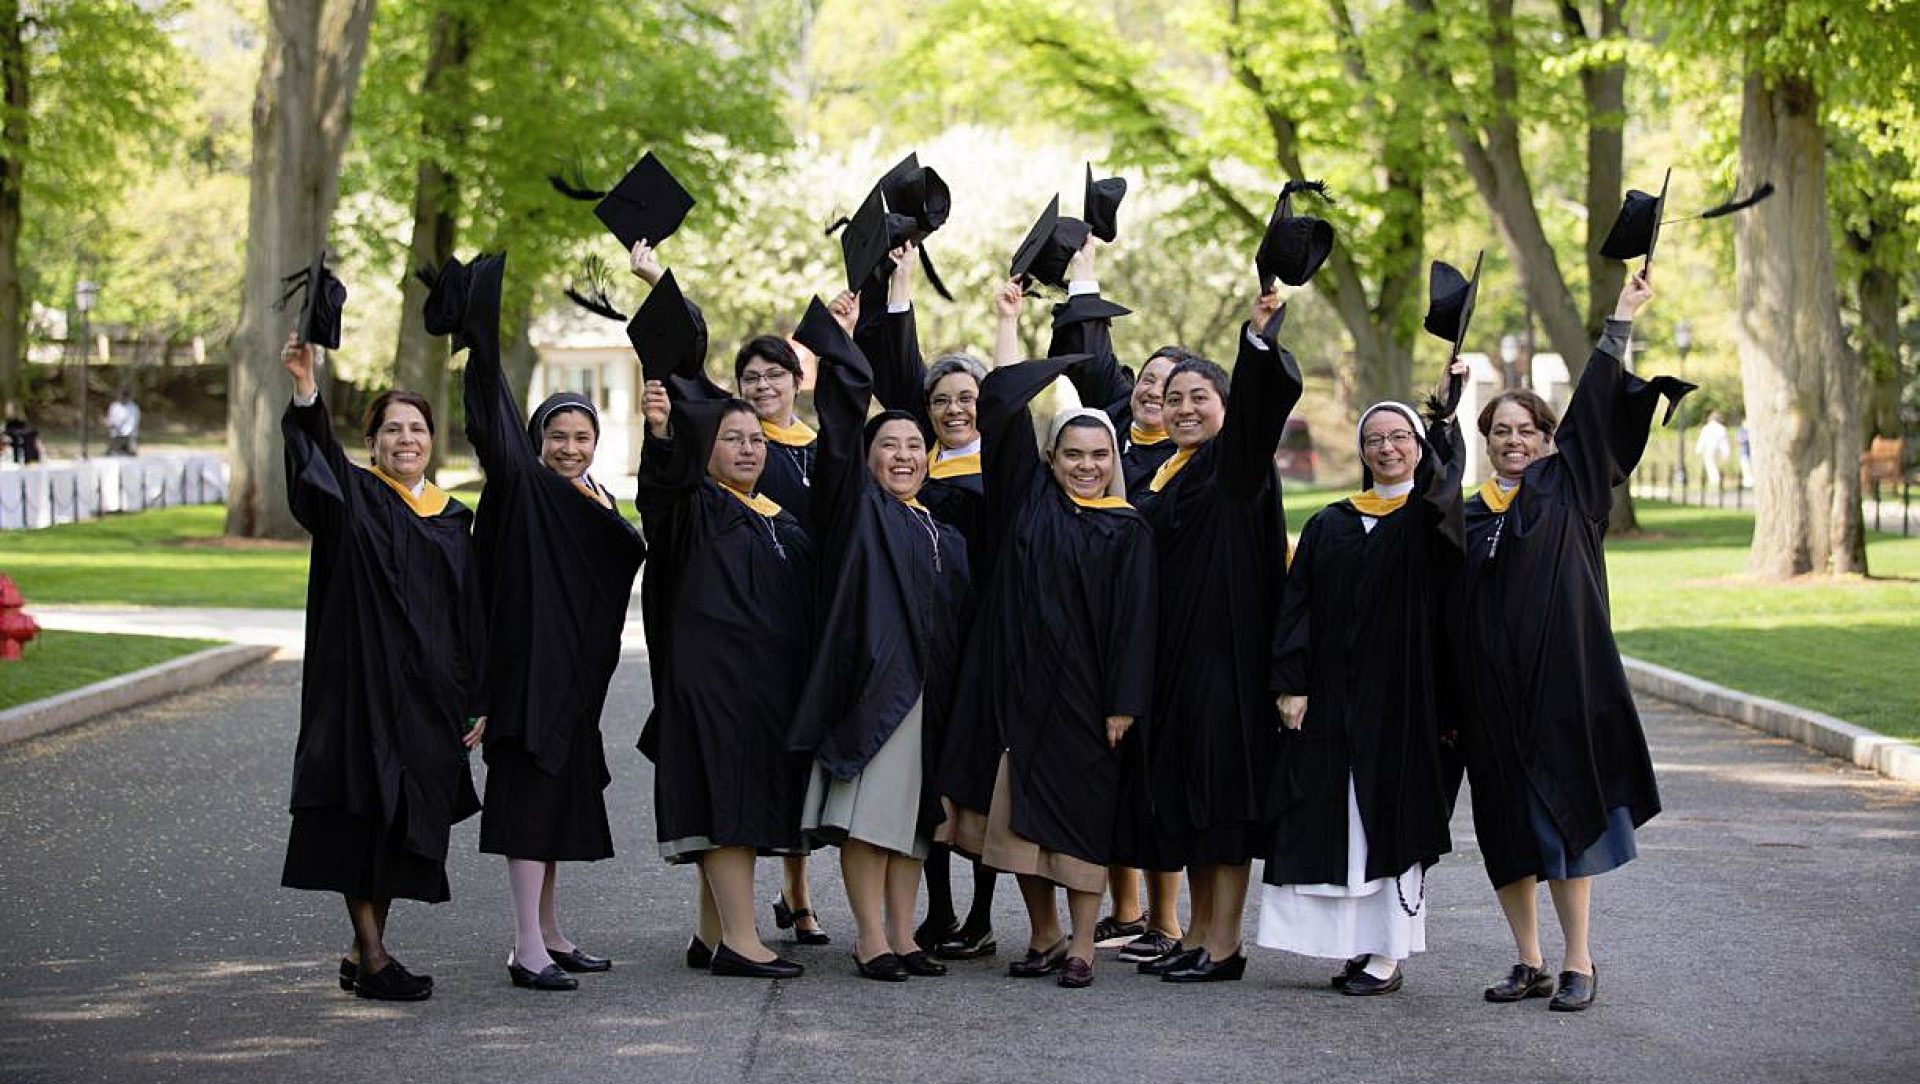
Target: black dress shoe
(391, 983)
(1365, 985)
(579, 962)
(935, 931)
(1175, 959)
(1354, 967)
(1075, 974)
(1524, 981)
(549, 977)
(1038, 963)
(728, 962)
(1110, 932)
(1576, 991)
(967, 945)
(349, 971)
(1207, 969)
(919, 963)
(885, 967)
(699, 956)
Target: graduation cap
(323, 298)
(1450, 300)
(1294, 246)
(1637, 227)
(647, 204)
(1100, 205)
(1047, 250)
(667, 333)
(913, 202)
(916, 192)
(455, 288)
(866, 239)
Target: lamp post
(1682, 342)
(85, 292)
(1510, 359)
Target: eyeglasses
(1400, 437)
(761, 376)
(942, 402)
(743, 440)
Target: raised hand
(298, 359)
(655, 407)
(1263, 309)
(906, 259)
(1081, 267)
(642, 262)
(1637, 291)
(1009, 299)
(845, 309)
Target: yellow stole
(592, 492)
(912, 502)
(794, 434)
(1146, 437)
(432, 499)
(1106, 501)
(1171, 468)
(1371, 503)
(760, 503)
(955, 466)
(1497, 499)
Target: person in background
(123, 424)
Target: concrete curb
(126, 691)
(1891, 757)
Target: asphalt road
(1767, 933)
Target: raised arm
(1440, 471)
(495, 427)
(840, 398)
(1010, 460)
(1266, 385)
(1083, 324)
(891, 343)
(316, 464)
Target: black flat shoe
(1110, 932)
(1208, 969)
(782, 914)
(1365, 985)
(699, 956)
(549, 978)
(1354, 967)
(392, 983)
(935, 932)
(728, 962)
(1038, 964)
(1075, 974)
(578, 962)
(349, 971)
(1524, 981)
(967, 945)
(789, 919)
(1576, 991)
(1175, 959)
(885, 967)
(918, 963)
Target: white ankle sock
(1381, 967)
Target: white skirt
(1361, 917)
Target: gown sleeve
(892, 346)
(1266, 385)
(495, 426)
(1604, 432)
(1293, 631)
(840, 399)
(317, 469)
(1083, 324)
(1009, 459)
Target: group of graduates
(1067, 642)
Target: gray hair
(948, 364)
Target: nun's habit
(1083, 324)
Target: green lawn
(57, 662)
(168, 557)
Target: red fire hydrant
(16, 628)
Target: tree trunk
(420, 359)
(1879, 297)
(517, 355)
(14, 72)
(302, 110)
(1605, 89)
(1802, 383)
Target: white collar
(972, 448)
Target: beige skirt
(993, 840)
(881, 805)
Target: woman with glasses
(1358, 805)
(723, 558)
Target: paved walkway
(1766, 934)
(281, 629)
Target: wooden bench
(1883, 461)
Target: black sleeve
(840, 398)
(1009, 458)
(1266, 385)
(1084, 325)
(495, 426)
(1438, 482)
(317, 478)
(892, 347)
(1604, 432)
(1293, 631)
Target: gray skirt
(881, 805)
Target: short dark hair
(1200, 366)
(1527, 400)
(1175, 354)
(377, 410)
(767, 348)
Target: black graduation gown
(1083, 324)
(1548, 703)
(787, 478)
(736, 620)
(892, 345)
(393, 639)
(1359, 634)
(1063, 639)
(558, 573)
(1221, 559)
(892, 583)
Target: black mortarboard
(322, 298)
(1637, 228)
(916, 192)
(446, 304)
(667, 333)
(1048, 248)
(647, 204)
(1450, 300)
(865, 242)
(1294, 246)
(1101, 205)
